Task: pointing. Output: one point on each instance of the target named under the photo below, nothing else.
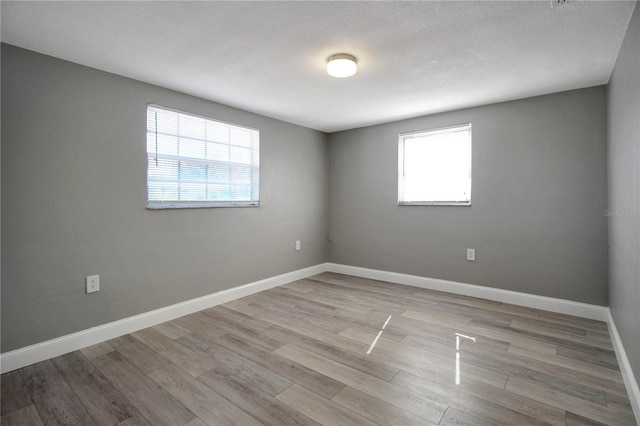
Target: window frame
(402, 137)
(253, 166)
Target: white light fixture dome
(342, 65)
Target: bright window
(434, 167)
(199, 162)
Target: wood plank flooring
(335, 350)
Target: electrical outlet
(93, 283)
(297, 245)
(471, 255)
(556, 3)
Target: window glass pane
(167, 123)
(435, 167)
(163, 169)
(219, 174)
(163, 191)
(192, 148)
(162, 144)
(192, 171)
(240, 192)
(216, 151)
(217, 132)
(219, 192)
(151, 121)
(240, 175)
(191, 126)
(192, 192)
(240, 137)
(240, 155)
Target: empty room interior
(310, 212)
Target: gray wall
(74, 197)
(539, 192)
(624, 192)
(73, 183)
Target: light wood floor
(335, 350)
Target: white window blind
(194, 161)
(434, 167)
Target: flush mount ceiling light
(342, 65)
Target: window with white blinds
(434, 167)
(194, 161)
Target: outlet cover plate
(93, 283)
(471, 255)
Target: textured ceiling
(415, 58)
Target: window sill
(435, 203)
(196, 205)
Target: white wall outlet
(93, 283)
(471, 255)
(556, 3)
(297, 245)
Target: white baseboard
(51, 348)
(625, 367)
(562, 306)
